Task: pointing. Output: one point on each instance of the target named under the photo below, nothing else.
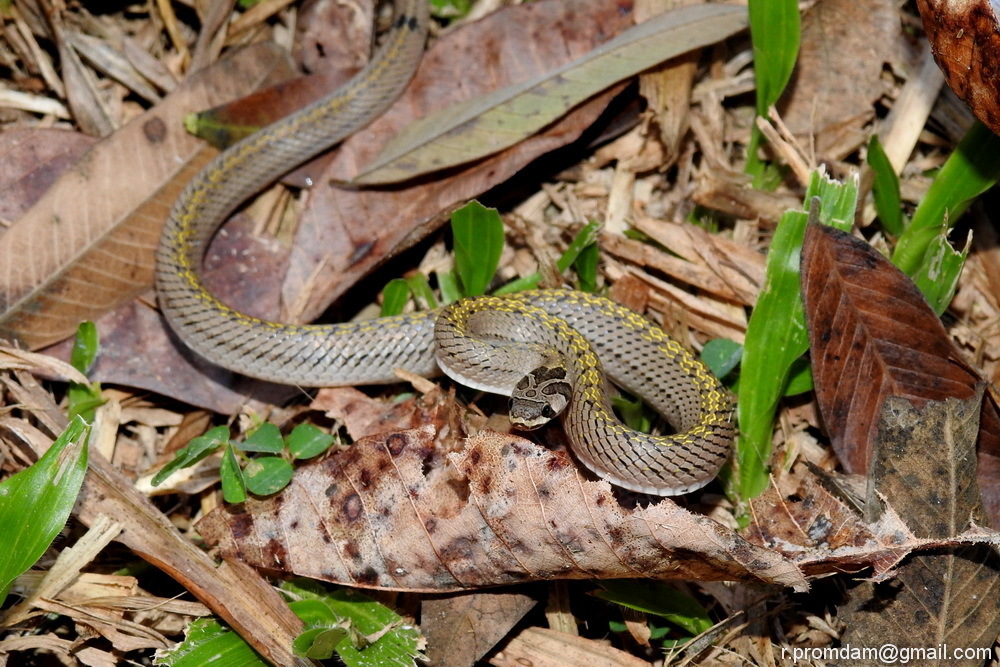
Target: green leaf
(489, 123)
(380, 636)
(971, 169)
(266, 439)
(721, 355)
(84, 398)
(775, 33)
(885, 188)
(479, 239)
(586, 268)
(319, 643)
(634, 413)
(394, 297)
(800, 379)
(653, 597)
(448, 284)
(940, 270)
(36, 502)
(207, 642)
(195, 451)
(422, 292)
(776, 333)
(234, 486)
(85, 347)
(267, 475)
(306, 441)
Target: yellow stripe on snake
(549, 348)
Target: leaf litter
(797, 526)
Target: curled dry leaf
(965, 38)
(507, 511)
(873, 335)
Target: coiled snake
(546, 347)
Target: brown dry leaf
(965, 39)
(87, 245)
(461, 628)
(924, 464)
(33, 159)
(838, 75)
(873, 336)
(505, 511)
(542, 647)
(344, 233)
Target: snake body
(490, 343)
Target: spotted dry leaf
(504, 511)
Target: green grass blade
(395, 294)
(774, 30)
(36, 502)
(885, 189)
(776, 333)
(970, 170)
(938, 275)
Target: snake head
(539, 397)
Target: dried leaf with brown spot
(874, 336)
(504, 511)
(924, 464)
(87, 245)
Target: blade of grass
(36, 502)
(774, 31)
(776, 333)
(885, 189)
(970, 170)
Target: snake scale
(549, 348)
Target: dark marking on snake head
(155, 130)
(396, 443)
(352, 507)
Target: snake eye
(548, 412)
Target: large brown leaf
(924, 463)
(504, 511)
(874, 336)
(87, 245)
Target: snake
(552, 350)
